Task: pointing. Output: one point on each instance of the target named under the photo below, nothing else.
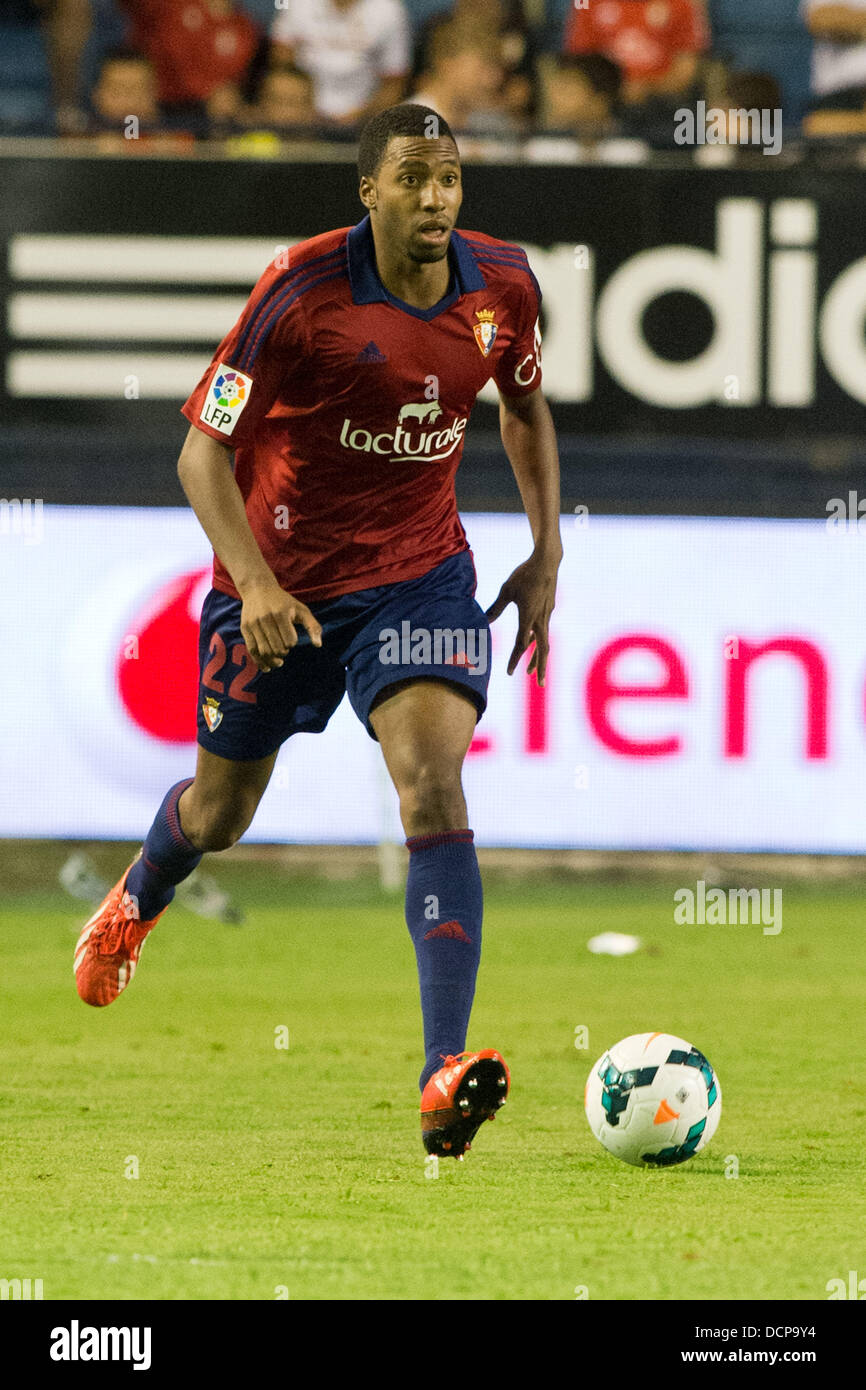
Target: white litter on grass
(614, 943)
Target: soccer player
(341, 564)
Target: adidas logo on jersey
(371, 353)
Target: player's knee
(431, 791)
(219, 827)
(218, 836)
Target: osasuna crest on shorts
(213, 716)
(347, 408)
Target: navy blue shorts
(425, 627)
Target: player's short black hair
(409, 118)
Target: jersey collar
(367, 288)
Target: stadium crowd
(135, 74)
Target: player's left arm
(529, 438)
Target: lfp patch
(226, 397)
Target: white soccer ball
(653, 1100)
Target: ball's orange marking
(664, 1113)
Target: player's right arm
(269, 615)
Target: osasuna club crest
(213, 715)
(485, 330)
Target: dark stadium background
(617, 457)
(618, 454)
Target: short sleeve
(253, 361)
(518, 372)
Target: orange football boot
(108, 948)
(459, 1097)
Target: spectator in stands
(838, 67)
(744, 120)
(746, 92)
(515, 45)
(125, 117)
(223, 110)
(285, 103)
(356, 51)
(201, 50)
(126, 88)
(582, 97)
(657, 43)
(464, 82)
(66, 25)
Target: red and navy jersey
(347, 408)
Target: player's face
(417, 195)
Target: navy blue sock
(167, 857)
(443, 912)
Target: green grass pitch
(265, 1171)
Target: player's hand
(532, 586)
(268, 624)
